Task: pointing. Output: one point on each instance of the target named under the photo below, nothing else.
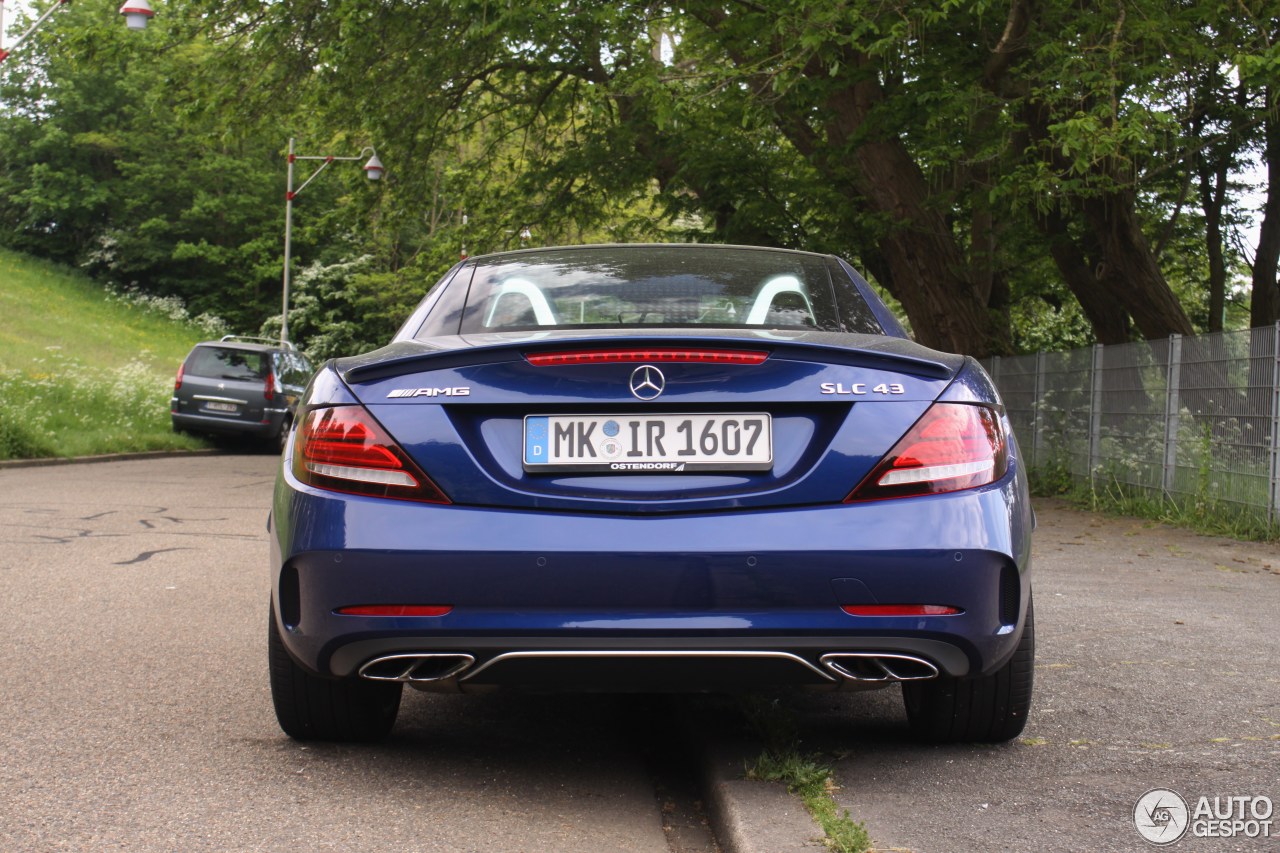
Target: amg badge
(430, 392)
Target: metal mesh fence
(1196, 419)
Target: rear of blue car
(651, 468)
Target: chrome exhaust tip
(417, 668)
(870, 667)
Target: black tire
(281, 439)
(310, 707)
(986, 708)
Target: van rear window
(227, 363)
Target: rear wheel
(310, 707)
(281, 438)
(985, 708)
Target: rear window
(227, 363)
(293, 368)
(652, 286)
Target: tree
(116, 156)
(1260, 71)
(971, 156)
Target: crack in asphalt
(147, 555)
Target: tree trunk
(1213, 196)
(1107, 316)
(1264, 304)
(927, 271)
(1128, 267)
(930, 274)
(1124, 264)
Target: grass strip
(1201, 512)
(806, 775)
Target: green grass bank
(83, 371)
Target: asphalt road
(136, 713)
(1158, 666)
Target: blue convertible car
(651, 468)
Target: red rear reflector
(613, 356)
(397, 610)
(900, 610)
(953, 446)
(344, 449)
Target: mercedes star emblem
(647, 382)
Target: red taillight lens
(177, 383)
(344, 449)
(614, 356)
(270, 390)
(953, 446)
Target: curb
(748, 816)
(108, 457)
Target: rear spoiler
(867, 351)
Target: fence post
(1273, 499)
(1095, 412)
(1037, 432)
(1172, 408)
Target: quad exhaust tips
(870, 667)
(861, 667)
(417, 668)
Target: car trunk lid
(653, 422)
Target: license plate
(649, 443)
(222, 407)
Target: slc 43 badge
(859, 389)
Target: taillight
(614, 356)
(344, 449)
(177, 383)
(396, 610)
(900, 609)
(270, 389)
(953, 446)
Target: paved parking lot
(138, 717)
(1158, 667)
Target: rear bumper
(230, 426)
(463, 664)
(689, 599)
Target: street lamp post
(373, 170)
(136, 14)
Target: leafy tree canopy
(1012, 173)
